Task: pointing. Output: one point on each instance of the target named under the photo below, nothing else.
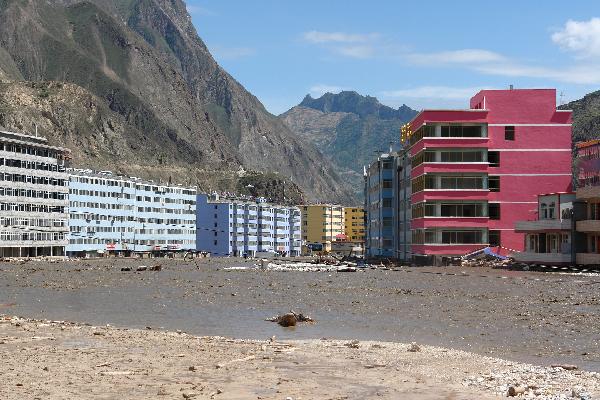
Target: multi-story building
(380, 187)
(477, 171)
(33, 196)
(388, 206)
(229, 226)
(586, 209)
(548, 235)
(115, 214)
(322, 224)
(354, 224)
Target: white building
(110, 213)
(237, 227)
(33, 196)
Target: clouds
(320, 89)
(464, 56)
(338, 37)
(434, 92)
(580, 37)
(353, 45)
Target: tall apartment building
(354, 224)
(115, 214)
(33, 196)
(238, 227)
(322, 224)
(388, 206)
(475, 172)
(586, 208)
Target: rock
(125, 269)
(414, 348)
(567, 367)
(515, 390)
(354, 344)
(287, 320)
(192, 368)
(189, 395)
(155, 268)
(141, 268)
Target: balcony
(588, 193)
(588, 258)
(589, 225)
(542, 258)
(543, 225)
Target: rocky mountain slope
(348, 128)
(142, 66)
(586, 117)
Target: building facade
(115, 214)
(388, 206)
(548, 236)
(33, 196)
(587, 206)
(354, 224)
(322, 224)
(477, 171)
(238, 227)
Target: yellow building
(321, 223)
(354, 222)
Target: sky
(425, 54)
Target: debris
(567, 367)
(290, 319)
(141, 268)
(414, 348)
(354, 344)
(515, 390)
(189, 395)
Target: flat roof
(109, 175)
(29, 140)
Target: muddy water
(524, 316)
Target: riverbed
(533, 317)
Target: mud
(533, 317)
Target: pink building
(475, 172)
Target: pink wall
(524, 174)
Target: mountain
(130, 86)
(348, 128)
(586, 117)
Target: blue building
(388, 206)
(238, 227)
(115, 214)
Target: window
(494, 238)
(387, 183)
(461, 131)
(494, 158)
(387, 203)
(461, 237)
(551, 209)
(494, 210)
(494, 183)
(509, 133)
(543, 211)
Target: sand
(62, 360)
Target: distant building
(238, 227)
(477, 171)
(33, 196)
(115, 214)
(354, 224)
(548, 235)
(388, 207)
(322, 224)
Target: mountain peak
(352, 102)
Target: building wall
(381, 187)
(230, 227)
(113, 213)
(538, 160)
(321, 223)
(33, 197)
(354, 223)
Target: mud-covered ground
(539, 318)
